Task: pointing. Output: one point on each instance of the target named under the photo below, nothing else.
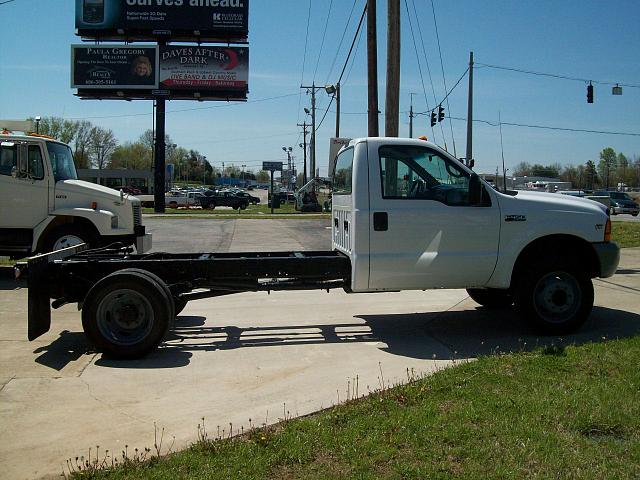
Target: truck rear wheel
(556, 299)
(163, 285)
(126, 314)
(69, 236)
(491, 297)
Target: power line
(7, 1)
(344, 32)
(548, 127)
(304, 61)
(324, 34)
(555, 75)
(433, 9)
(415, 47)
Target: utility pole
(338, 110)
(304, 150)
(372, 68)
(411, 115)
(392, 99)
(312, 144)
(469, 155)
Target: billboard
(175, 20)
(114, 66)
(204, 68)
(175, 72)
(335, 144)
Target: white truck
(406, 215)
(45, 207)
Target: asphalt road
(191, 235)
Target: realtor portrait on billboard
(175, 19)
(114, 66)
(205, 69)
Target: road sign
(272, 166)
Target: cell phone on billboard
(93, 11)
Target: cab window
(410, 172)
(36, 167)
(8, 158)
(343, 173)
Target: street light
(38, 118)
(335, 91)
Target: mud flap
(39, 297)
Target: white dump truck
(45, 207)
(406, 215)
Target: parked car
(620, 202)
(213, 199)
(130, 190)
(252, 200)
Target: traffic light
(433, 118)
(440, 113)
(589, 93)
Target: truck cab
(45, 207)
(412, 217)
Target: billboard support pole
(160, 151)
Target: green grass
(626, 234)
(558, 412)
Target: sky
(582, 39)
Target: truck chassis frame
(72, 274)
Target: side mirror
(475, 190)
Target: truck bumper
(608, 256)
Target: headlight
(114, 221)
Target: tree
(103, 143)
(623, 169)
(551, 171)
(81, 144)
(132, 156)
(522, 169)
(58, 128)
(591, 175)
(263, 176)
(607, 165)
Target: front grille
(137, 215)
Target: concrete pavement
(248, 356)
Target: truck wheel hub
(125, 316)
(557, 296)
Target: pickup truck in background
(212, 199)
(619, 202)
(406, 215)
(45, 207)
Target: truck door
(424, 232)
(25, 201)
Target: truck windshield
(61, 162)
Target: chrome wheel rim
(67, 241)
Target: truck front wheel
(126, 314)
(69, 236)
(491, 297)
(556, 299)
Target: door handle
(380, 221)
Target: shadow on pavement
(9, 283)
(432, 335)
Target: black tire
(173, 205)
(243, 206)
(170, 298)
(554, 297)
(491, 297)
(67, 236)
(126, 315)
